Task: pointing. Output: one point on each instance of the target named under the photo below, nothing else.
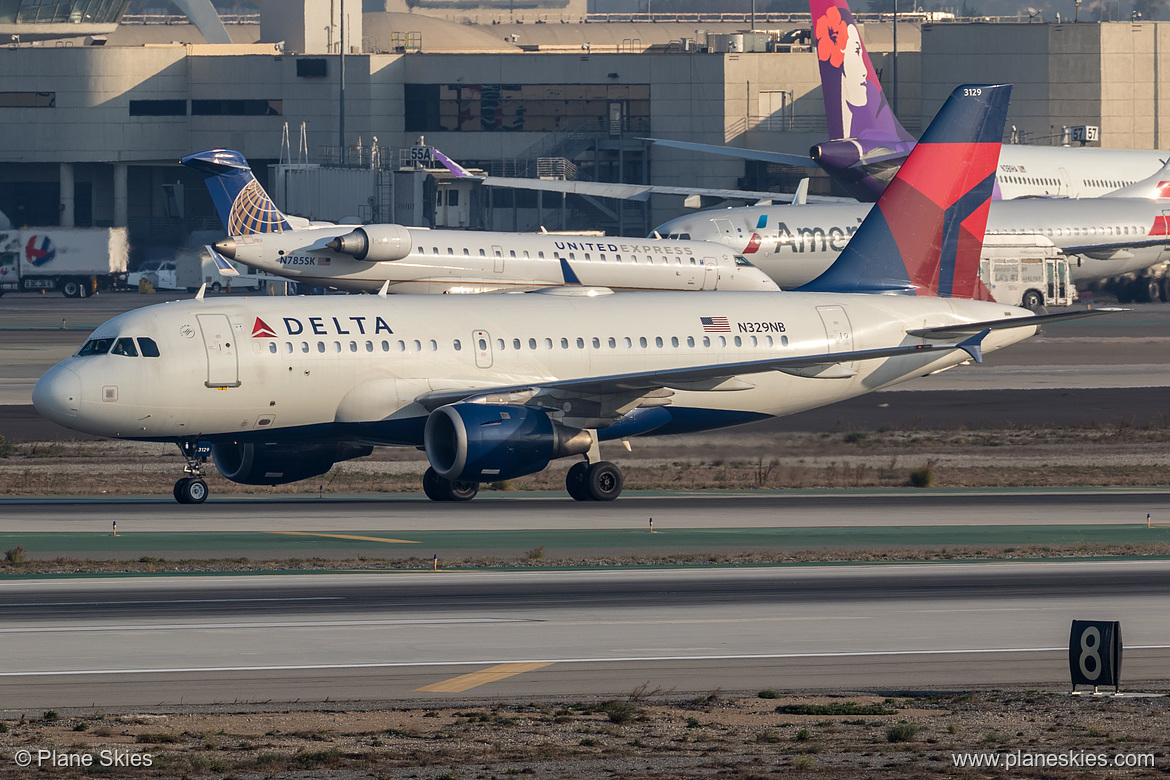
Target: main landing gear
(191, 489)
(600, 481)
(441, 489)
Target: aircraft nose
(57, 395)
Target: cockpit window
(148, 347)
(124, 347)
(96, 347)
(741, 260)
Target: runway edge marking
(345, 536)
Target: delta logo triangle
(261, 330)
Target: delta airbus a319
(280, 389)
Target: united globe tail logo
(39, 250)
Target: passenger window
(564, 343)
(580, 343)
(784, 341)
(596, 343)
(321, 347)
(706, 341)
(385, 346)
(548, 343)
(304, 346)
(125, 347)
(674, 341)
(738, 341)
(417, 345)
(532, 343)
(369, 346)
(629, 344)
(515, 343)
(272, 347)
(658, 341)
(755, 342)
(500, 344)
(483, 345)
(690, 341)
(337, 347)
(149, 349)
(458, 346)
(434, 345)
(401, 346)
(288, 348)
(642, 342)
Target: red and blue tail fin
(243, 205)
(925, 234)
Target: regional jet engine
(374, 243)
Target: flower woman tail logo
(832, 35)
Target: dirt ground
(648, 734)
(1096, 455)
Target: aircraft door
(481, 342)
(725, 229)
(223, 369)
(498, 252)
(711, 273)
(838, 331)
(1066, 190)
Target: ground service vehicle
(77, 261)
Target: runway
(415, 636)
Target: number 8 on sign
(1094, 653)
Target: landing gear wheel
(191, 491)
(603, 481)
(575, 482)
(180, 489)
(459, 491)
(430, 484)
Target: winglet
(568, 273)
(202, 290)
(454, 167)
(973, 346)
(385, 289)
(800, 197)
(221, 263)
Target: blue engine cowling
(279, 464)
(487, 443)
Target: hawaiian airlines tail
(868, 143)
(855, 105)
(243, 205)
(926, 233)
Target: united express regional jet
(417, 260)
(280, 389)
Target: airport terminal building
(92, 126)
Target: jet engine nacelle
(849, 164)
(374, 243)
(278, 464)
(487, 443)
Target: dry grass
(1104, 456)
(656, 737)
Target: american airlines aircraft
(280, 389)
(1102, 237)
(869, 143)
(417, 260)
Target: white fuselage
(796, 244)
(351, 367)
(461, 261)
(1027, 171)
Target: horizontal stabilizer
(798, 160)
(221, 263)
(973, 328)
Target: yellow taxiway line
(347, 536)
(475, 679)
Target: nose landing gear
(192, 489)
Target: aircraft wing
(799, 160)
(636, 192)
(721, 376)
(1105, 250)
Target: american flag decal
(715, 325)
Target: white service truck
(77, 261)
(189, 269)
(1028, 271)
